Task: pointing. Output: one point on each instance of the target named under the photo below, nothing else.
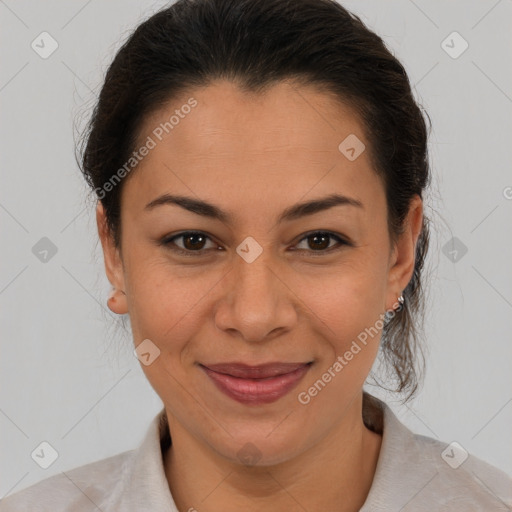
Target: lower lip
(257, 391)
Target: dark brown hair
(255, 44)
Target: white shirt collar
(410, 472)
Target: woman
(259, 167)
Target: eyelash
(169, 243)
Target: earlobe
(117, 302)
(113, 264)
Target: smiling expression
(289, 260)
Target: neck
(336, 473)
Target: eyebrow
(294, 212)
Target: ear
(113, 263)
(404, 253)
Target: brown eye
(319, 241)
(193, 243)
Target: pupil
(193, 245)
(317, 237)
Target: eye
(319, 242)
(193, 242)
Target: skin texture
(255, 156)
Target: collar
(408, 463)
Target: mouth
(256, 385)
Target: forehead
(227, 120)
(284, 142)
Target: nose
(257, 304)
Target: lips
(256, 384)
(264, 371)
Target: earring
(390, 313)
(401, 302)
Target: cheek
(349, 317)
(172, 306)
(348, 311)
(349, 298)
(165, 306)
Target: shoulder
(78, 489)
(131, 480)
(462, 478)
(417, 472)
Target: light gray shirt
(414, 473)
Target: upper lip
(262, 371)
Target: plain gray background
(70, 379)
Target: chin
(259, 449)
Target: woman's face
(263, 281)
